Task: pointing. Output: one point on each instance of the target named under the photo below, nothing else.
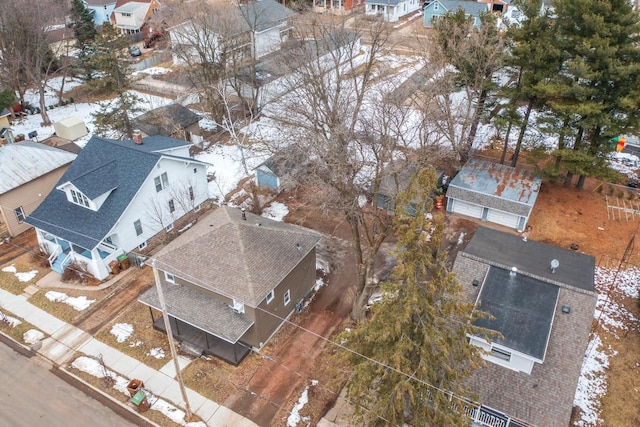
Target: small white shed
(70, 128)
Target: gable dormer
(91, 189)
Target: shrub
(620, 194)
(40, 257)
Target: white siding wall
(518, 362)
(147, 198)
(268, 41)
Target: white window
(436, 6)
(172, 206)
(79, 199)
(195, 170)
(142, 245)
(191, 195)
(169, 227)
(138, 226)
(501, 354)
(161, 182)
(270, 296)
(196, 208)
(287, 297)
(20, 216)
(169, 277)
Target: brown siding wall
(300, 281)
(29, 196)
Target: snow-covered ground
(612, 319)
(78, 303)
(25, 276)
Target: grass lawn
(9, 281)
(16, 332)
(99, 383)
(142, 340)
(63, 311)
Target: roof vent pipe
(244, 215)
(513, 271)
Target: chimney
(244, 215)
(137, 136)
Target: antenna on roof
(554, 264)
(513, 271)
(244, 215)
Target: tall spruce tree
(82, 21)
(115, 117)
(477, 53)
(598, 90)
(418, 332)
(533, 61)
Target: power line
(463, 400)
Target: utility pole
(172, 345)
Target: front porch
(209, 344)
(63, 252)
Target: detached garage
(493, 192)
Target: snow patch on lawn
(276, 211)
(122, 331)
(294, 416)
(25, 276)
(157, 352)
(612, 318)
(78, 303)
(32, 336)
(9, 320)
(93, 367)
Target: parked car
(134, 51)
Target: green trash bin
(140, 400)
(124, 261)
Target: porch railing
(54, 254)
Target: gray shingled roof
(471, 7)
(130, 164)
(496, 186)
(240, 259)
(97, 181)
(522, 309)
(507, 250)
(166, 120)
(263, 14)
(25, 161)
(200, 310)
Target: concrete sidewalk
(66, 339)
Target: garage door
(503, 218)
(469, 209)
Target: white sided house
(391, 10)
(248, 30)
(114, 197)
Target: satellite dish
(554, 264)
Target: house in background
(130, 15)
(395, 180)
(337, 7)
(493, 192)
(277, 173)
(542, 299)
(232, 280)
(255, 29)
(391, 10)
(115, 197)
(28, 172)
(4, 118)
(101, 10)
(174, 121)
(438, 8)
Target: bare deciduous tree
(24, 42)
(337, 108)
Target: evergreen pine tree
(598, 91)
(114, 119)
(418, 331)
(533, 61)
(82, 21)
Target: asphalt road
(31, 395)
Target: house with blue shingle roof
(114, 197)
(438, 8)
